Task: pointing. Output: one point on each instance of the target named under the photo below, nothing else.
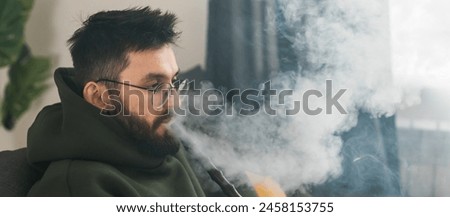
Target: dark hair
(100, 47)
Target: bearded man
(108, 136)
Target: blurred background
(409, 150)
(420, 46)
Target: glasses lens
(181, 85)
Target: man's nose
(167, 101)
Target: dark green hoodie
(83, 153)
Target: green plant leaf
(27, 81)
(13, 16)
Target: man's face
(145, 114)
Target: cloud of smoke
(346, 41)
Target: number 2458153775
(296, 207)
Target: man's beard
(145, 137)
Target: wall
(52, 22)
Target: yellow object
(265, 186)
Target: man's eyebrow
(157, 75)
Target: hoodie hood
(75, 129)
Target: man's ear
(93, 94)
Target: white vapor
(345, 41)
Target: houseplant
(27, 73)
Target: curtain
(242, 43)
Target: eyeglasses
(164, 90)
